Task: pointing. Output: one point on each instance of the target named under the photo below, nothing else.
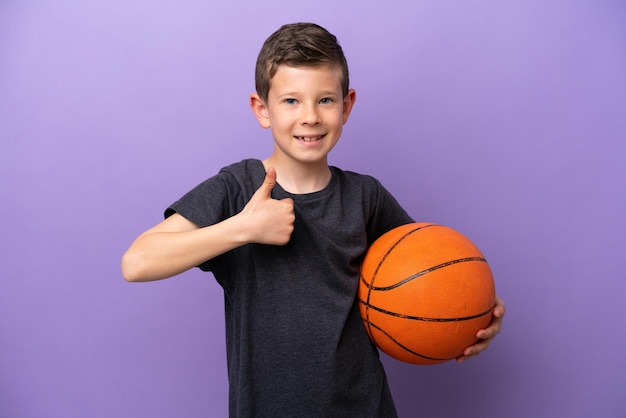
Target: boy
(284, 237)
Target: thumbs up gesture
(270, 221)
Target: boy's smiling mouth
(309, 138)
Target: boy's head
(299, 45)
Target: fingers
(495, 326)
(487, 335)
(472, 352)
(492, 330)
(499, 310)
(476, 349)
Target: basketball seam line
(423, 272)
(426, 319)
(369, 291)
(406, 348)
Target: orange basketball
(425, 291)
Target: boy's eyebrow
(322, 93)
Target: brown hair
(298, 44)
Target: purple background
(505, 120)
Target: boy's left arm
(486, 335)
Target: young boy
(284, 237)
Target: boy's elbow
(130, 277)
(136, 268)
(130, 268)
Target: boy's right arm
(176, 244)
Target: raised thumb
(269, 182)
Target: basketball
(425, 291)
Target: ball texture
(424, 293)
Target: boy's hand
(486, 335)
(270, 221)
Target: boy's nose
(310, 115)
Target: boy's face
(306, 111)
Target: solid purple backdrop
(504, 120)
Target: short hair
(299, 45)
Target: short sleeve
(219, 197)
(386, 212)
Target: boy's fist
(271, 221)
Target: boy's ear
(259, 108)
(348, 102)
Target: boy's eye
(326, 100)
(291, 101)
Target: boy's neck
(298, 178)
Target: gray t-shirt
(296, 344)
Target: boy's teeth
(309, 139)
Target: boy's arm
(176, 244)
